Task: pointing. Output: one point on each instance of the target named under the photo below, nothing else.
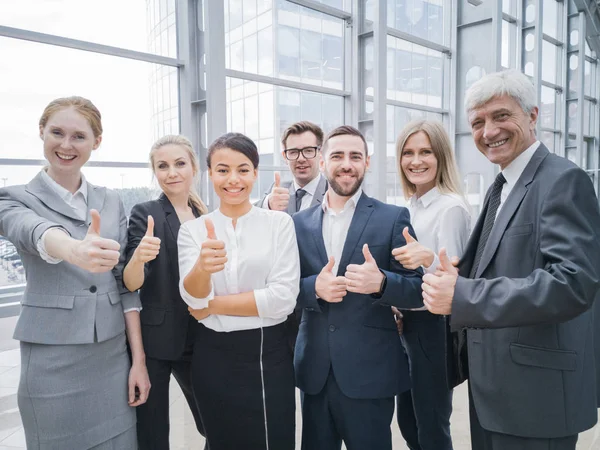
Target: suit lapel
(364, 209)
(171, 218)
(510, 206)
(49, 197)
(95, 200)
(291, 209)
(320, 191)
(315, 228)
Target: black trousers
(423, 413)
(245, 390)
(482, 439)
(331, 417)
(153, 416)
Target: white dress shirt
(514, 170)
(262, 256)
(336, 225)
(310, 188)
(440, 220)
(77, 202)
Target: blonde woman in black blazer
(167, 327)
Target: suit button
(93, 289)
(332, 328)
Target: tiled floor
(183, 432)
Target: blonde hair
(173, 139)
(82, 105)
(447, 179)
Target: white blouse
(262, 256)
(440, 220)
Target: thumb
(150, 229)
(210, 228)
(407, 236)
(95, 225)
(277, 179)
(367, 254)
(329, 266)
(445, 261)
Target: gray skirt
(75, 396)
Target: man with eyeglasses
(301, 144)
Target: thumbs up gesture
(279, 196)
(213, 255)
(95, 253)
(149, 246)
(330, 288)
(438, 288)
(413, 254)
(364, 278)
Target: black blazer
(165, 319)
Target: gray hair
(509, 82)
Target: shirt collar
(311, 187)
(64, 193)
(351, 203)
(513, 171)
(425, 199)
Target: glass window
(134, 24)
(549, 57)
(415, 74)
(263, 111)
(418, 17)
(119, 88)
(547, 115)
(551, 19)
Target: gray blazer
(317, 198)
(528, 311)
(62, 303)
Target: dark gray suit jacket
(528, 311)
(62, 303)
(317, 198)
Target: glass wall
(64, 48)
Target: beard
(348, 191)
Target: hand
(149, 246)
(365, 278)
(199, 314)
(279, 197)
(213, 255)
(138, 378)
(438, 288)
(94, 253)
(413, 254)
(330, 288)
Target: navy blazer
(165, 319)
(357, 337)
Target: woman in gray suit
(77, 388)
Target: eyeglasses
(293, 154)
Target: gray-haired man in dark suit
(528, 279)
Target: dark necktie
(300, 193)
(488, 223)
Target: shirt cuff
(41, 247)
(131, 309)
(433, 267)
(196, 303)
(265, 204)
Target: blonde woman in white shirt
(240, 275)
(440, 217)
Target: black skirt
(244, 387)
